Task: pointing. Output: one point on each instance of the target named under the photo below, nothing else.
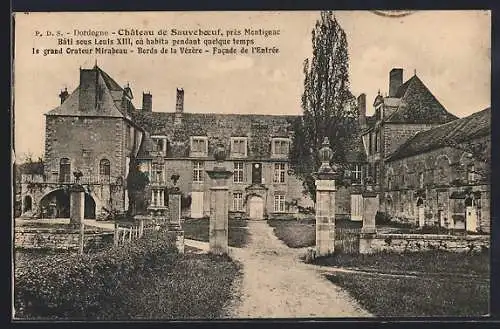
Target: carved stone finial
(325, 155)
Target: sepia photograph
(204, 165)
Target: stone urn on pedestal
(325, 201)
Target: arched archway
(56, 204)
(28, 203)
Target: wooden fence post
(82, 237)
(116, 236)
(141, 228)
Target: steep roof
(454, 132)
(219, 128)
(418, 105)
(109, 105)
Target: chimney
(88, 90)
(179, 106)
(147, 102)
(362, 110)
(64, 95)
(395, 81)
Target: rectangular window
(157, 173)
(199, 146)
(356, 173)
(238, 147)
(279, 173)
(376, 173)
(238, 201)
(239, 172)
(197, 171)
(280, 147)
(279, 203)
(471, 174)
(159, 144)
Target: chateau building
(418, 154)
(97, 130)
(441, 176)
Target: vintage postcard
(242, 165)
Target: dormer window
(159, 144)
(280, 147)
(238, 147)
(199, 146)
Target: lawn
(302, 232)
(411, 297)
(197, 229)
(432, 261)
(449, 284)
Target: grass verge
(411, 297)
(432, 261)
(302, 232)
(198, 229)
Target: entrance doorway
(470, 215)
(256, 207)
(27, 203)
(421, 212)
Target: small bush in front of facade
(382, 218)
(76, 287)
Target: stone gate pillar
(370, 209)
(219, 204)
(77, 204)
(174, 223)
(325, 202)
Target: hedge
(79, 286)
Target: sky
(448, 50)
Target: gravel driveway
(276, 284)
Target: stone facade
(418, 154)
(447, 186)
(97, 130)
(89, 132)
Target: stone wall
(422, 242)
(59, 239)
(444, 173)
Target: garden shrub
(382, 218)
(78, 286)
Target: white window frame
(236, 172)
(196, 153)
(357, 172)
(159, 179)
(471, 174)
(273, 147)
(238, 201)
(197, 172)
(236, 154)
(279, 203)
(155, 138)
(279, 176)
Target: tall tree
(327, 104)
